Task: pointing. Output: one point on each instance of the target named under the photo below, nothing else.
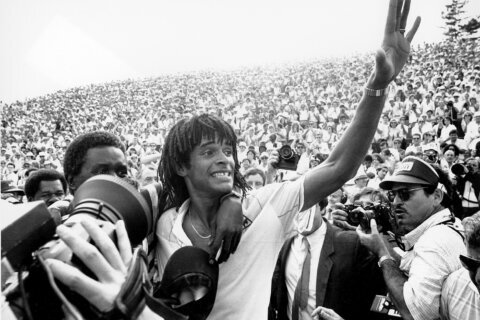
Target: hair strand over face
(184, 136)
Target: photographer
(109, 264)
(427, 232)
(467, 180)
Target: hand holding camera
(340, 217)
(107, 263)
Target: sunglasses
(470, 264)
(403, 194)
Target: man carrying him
(199, 169)
(101, 152)
(430, 238)
(47, 185)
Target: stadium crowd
(432, 112)
(308, 104)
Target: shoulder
(442, 237)
(459, 278)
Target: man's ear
(438, 196)
(180, 170)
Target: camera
(379, 211)
(288, 159)
(29, 237)
(383, 305)
(459, 169)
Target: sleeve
(436, 256)
(283, 199)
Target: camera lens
(285, 152)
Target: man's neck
(204, 208)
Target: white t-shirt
(244, 283)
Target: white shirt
(294, 265)
(434, 250)
(244, 282)
(460, 298)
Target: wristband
(383, 259)
(376, 93)
(228, 195)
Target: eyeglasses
(403, 194)
(470, 264)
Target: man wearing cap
(428, 235)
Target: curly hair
(35, 178)
(472, 230)
(184, 136)
(77, 150)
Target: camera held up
(30, 237)
(288, 159)
(379, 211)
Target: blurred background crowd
(432, 111)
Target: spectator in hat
(427, 231)
(263, 162)
(12, 193)
(242, 150)
(472, 129)
(360, 182)
(382, 171)
(415, 147)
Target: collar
(411, 238)
(177, 229)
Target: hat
(14, 189)
(476, 114)
(42, 154)
(360, 176)
(242, 144)
(411, 170)
(430, 146)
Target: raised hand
(392, 56)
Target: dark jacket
(348, 277)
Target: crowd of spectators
(433, 104)
(432, 112)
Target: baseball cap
(411, 170)
(242, 144)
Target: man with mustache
(429, 236)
